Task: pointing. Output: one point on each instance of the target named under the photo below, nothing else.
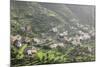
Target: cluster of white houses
(76, 39)
(61, 39)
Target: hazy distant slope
(61, 9)
(85, 13)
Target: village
(43, 33)
(53, 39)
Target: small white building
(65, 33)
(53, 46)
(36, 40)
(54, 30)
(18, 43)
(61, 44)
(31, 51)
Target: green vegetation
(45, 35)
(73, 54)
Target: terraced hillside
(48, 33)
